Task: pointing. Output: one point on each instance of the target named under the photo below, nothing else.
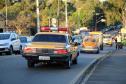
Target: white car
(10, 43)
(24, 40)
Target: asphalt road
(14, 70)
(113, 32)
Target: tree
(114, 11)
(2, 3)
(21, 23)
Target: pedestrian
(119, 38)
(115, 42)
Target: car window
(23, 39)
(70, 39)
(92, 40)
(13, 37)
(77, 37)
(4, 36)
(73, 38)
(16, 36)
(106, 36)
(49, 38)
(29, 39)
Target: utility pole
(38, 18)
(58, 13)
(6, 15)
(79, 18)
(29, 24)
(66, 11)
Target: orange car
(90, 44)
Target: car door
(13, 41)
(28, 39)
(17, 42)
(73, 48)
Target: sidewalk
(111, 70)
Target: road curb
(86, 70)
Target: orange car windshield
(88, 39)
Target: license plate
(89, 46)
(44, 58)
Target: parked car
(10, 43)
(77, 38)
(107, 39)
(119, 26)
(24, 40)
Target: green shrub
(124, 42)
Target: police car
(9, 43)
(49, 47)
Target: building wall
(2, 22)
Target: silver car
(24, 40)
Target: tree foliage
(83, 11)
(113, 11)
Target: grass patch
(124, 42)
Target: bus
(84, 32)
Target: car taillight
(96, 47)
(82, 45)
(60, 51)
(33, 50)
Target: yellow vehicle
(99, 36)
(90, 44)
(49, 47)
(107, 39)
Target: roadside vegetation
(22, 12)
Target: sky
(101, 0)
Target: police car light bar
(45, 28)
(53, 29)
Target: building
(2, 22)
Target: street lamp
(97, 20)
